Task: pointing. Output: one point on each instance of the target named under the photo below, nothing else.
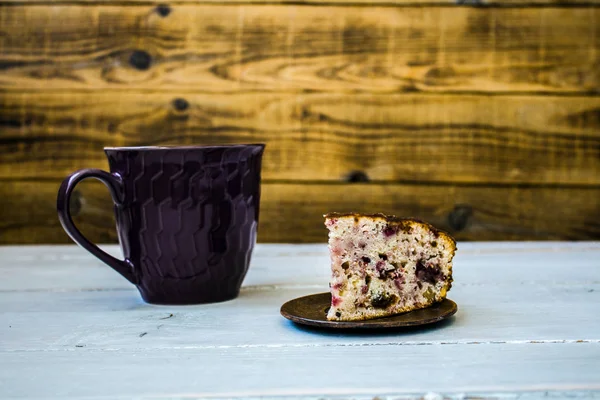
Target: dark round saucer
(312, 310)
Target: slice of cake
(384, 265)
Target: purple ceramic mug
(186, 218)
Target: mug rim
(184, 147)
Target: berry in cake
(384, 265)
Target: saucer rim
(289, 311)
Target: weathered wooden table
(528, 325)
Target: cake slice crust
(383, 265)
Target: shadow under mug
(186, 218)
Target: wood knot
(163, 10)
(469, 2)
(307, 115)
(75, 203)
(140, 59)
(440, 73)
(180, 104)
(112, 128)
(459, 217)
(587, 119)
(357, 177)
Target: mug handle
(114, 182)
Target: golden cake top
(403, 224)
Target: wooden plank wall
(483, 119)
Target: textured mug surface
(186, 218)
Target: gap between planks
(313, 3)
(483, 395)
(373, 182)
(271, 288)
(311, 345)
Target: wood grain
(302, 371)
(515, 324)
(56, 303)
(232, 48)
(293, 212)
(317, 137)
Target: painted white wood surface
(528, 325)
